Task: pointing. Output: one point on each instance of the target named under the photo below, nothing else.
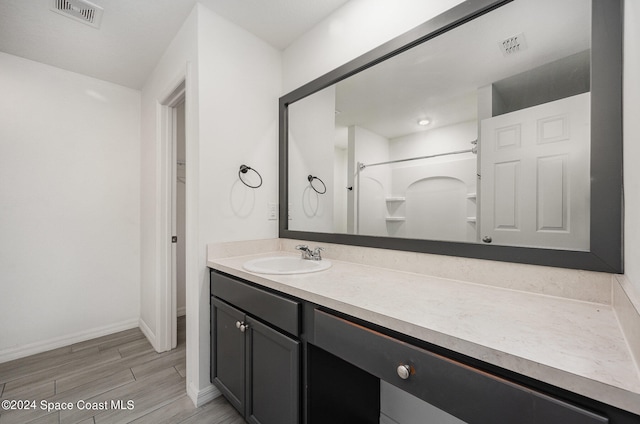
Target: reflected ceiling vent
(513, 45)
(79, 10)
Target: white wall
(239, 86)
(632, 141)
(69, 215)
(240, 83)
(232, 91)
(352, 30)
(340, 192)
(438, 140)
(311, 152)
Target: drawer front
(276, 310)
(469, 394)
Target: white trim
(151, 337)
(61, 341)
(163, 250)
(198, 358)
(200, 397)
(165, 284)
(197, 362)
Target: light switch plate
(272, 211)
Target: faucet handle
(316, 253)
(304, 249)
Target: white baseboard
(150, 335)
(200, 397)
(66, 340)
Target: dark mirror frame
(606, 147)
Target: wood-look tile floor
(119, 367)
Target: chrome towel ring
(243, 170)
(324, 187)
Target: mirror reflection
(481, 134)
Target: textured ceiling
(135, 33)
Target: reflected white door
(535, 176)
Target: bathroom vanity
(446, 317)
(256, 350)
(313, 348)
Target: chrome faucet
(304, 249)
(313, 255)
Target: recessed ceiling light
(424, 122)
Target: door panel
(228, 347)
(535, 176)
(273, 363)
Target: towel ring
(311, 178)
(243, 170)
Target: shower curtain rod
(472, 150)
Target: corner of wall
(201, 396)
(626, 304)
(148, 333)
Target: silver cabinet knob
(241, 326)
(486, 239)
(404, 371)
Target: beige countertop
(572, 344)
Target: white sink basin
(285, 265)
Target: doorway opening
(172, 293)
(179, 217)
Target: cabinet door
(228, 353)
(273, 373)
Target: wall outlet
(272, 211)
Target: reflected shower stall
(426, 197)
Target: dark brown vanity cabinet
(469, 394)
(282, 360)
(255, 351)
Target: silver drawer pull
(404, 371)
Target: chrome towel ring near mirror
(324, 187)
(243, 170)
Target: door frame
(166, 290)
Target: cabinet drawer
(276, 310)
(467, 393)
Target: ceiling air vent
(79, 10)
(513, 45)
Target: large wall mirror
(492, 131)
